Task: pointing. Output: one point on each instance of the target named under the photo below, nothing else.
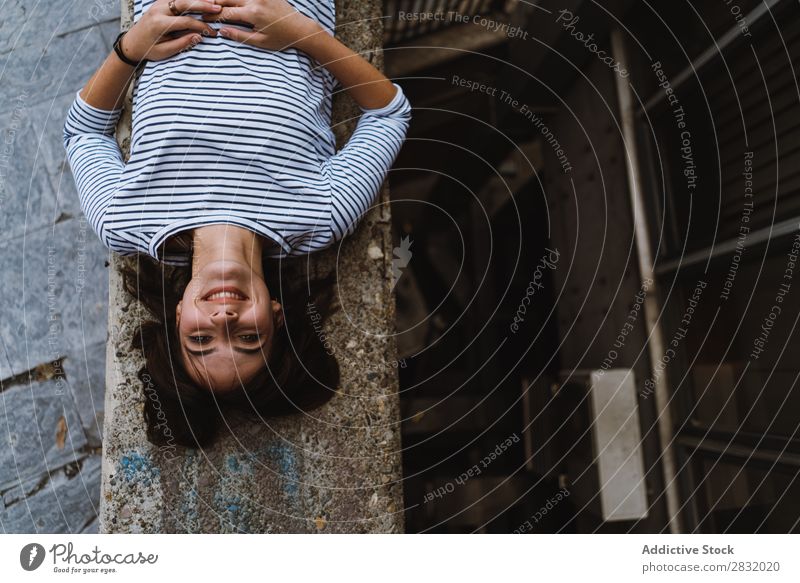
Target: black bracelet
(123, 58)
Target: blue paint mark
(287, 467)
(236, 513)
(188, 506)
(138, 469)
(233, 463)
(240, 463)
(235, 509)
(189, 510)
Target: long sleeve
(96, 163)
(357, 171)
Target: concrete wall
(336, 472)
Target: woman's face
(226, 322)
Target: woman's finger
(231, 2)
(204, 6)
(187, 22)
(171, 47)
(238, 13)
(243, 36)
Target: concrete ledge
(336, 472)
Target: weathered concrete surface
(336, 471)
(54, 277)
(54, 290)
(24, 23)
(40, 430)
(66, 503)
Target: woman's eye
(199, 339)
(249, 338)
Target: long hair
(299, 375)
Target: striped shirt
(230, 133)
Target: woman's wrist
(309, 35)
(129, 45)
(122, 50)
(364, 83)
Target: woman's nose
(224, 314)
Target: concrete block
(61, 66)
(338, 470)
(39, 431)
(49, 119)
(26, 23)
(25, 488)
(66, 502)
(54, 298)
(94, 525)
(85, 371)
(31, 164)
(109, 30)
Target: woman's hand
(277, 25)
(151, 37)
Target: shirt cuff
(90, 118)
(396, 105)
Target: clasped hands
(276, 25)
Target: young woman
(232, 166)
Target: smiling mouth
(225, 294)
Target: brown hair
(300, 375)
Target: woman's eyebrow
(255, 350)
(200, 352)
(208, 351)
